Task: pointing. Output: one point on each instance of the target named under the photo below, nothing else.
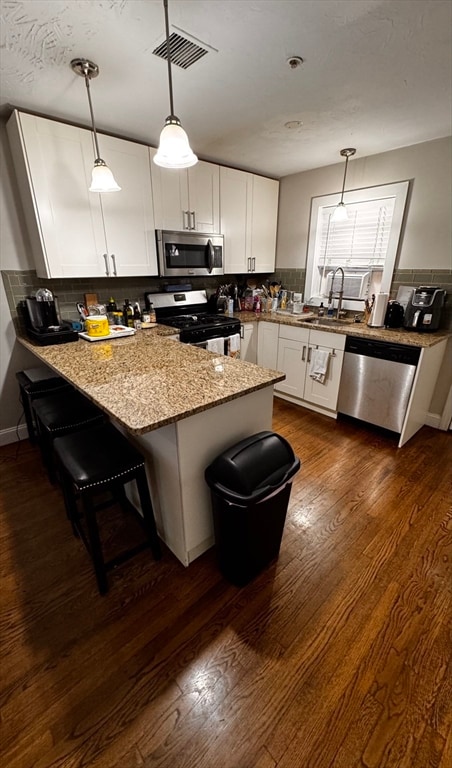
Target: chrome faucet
(340, 293)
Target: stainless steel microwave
(189, 254)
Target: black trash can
(250, 490)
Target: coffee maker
(423, 311)
(42, 319)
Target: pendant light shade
(174, 149)
(102, 179)
(340, 212)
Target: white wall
(14, 254)
(426, 242)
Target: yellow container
(97, 325)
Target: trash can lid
(253, 468)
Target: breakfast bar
(181, 406)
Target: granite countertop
(350, 328)
(146, 381)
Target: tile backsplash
(19, 284)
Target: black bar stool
(61, 414)
(94, 461)
(33, 384)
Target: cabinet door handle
(242, 331)
(107, 271)
(249, 264)
(309, 354)
(254, 263)
(303, 354)
(113, 258)
(186, 215)
(193, 226)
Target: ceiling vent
(183, 52)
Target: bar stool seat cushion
(99, 456)
(63, 413)
(99, 461)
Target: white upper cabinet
(128, 215)
(186, 198)
(249, 213)
(234, 201)
(74, 232)
(264, 217)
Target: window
(365, 245)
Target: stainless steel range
(186, 312)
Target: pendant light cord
(343, 183)
(170, 79)
(91, 112)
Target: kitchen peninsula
(181, 406)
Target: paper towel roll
(377, 317)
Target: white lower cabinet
(248, 346)
(325, 395)
(295, 348)
(267, 344)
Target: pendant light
(174, 149)
(340, 212)
(102, 179)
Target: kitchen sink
(328, 321)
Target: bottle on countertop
(321, 309)
(257, 304)
(330, 309)
(137, 316)
(111, 309)
(236, 299)
(127, 314)
(152, 315)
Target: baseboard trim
(11, 434)
(433, 420)
(305, 404)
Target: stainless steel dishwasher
(376, 381)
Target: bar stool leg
(70, 501)
(148, 512)
(95, 545)
(46, 448)
(25, 400)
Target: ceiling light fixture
(340, 212)
(294, 62)
(102, 179)
(174, 149)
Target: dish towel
(319, 365)
(234, 345)
(216, 345)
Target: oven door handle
(210, 255)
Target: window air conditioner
(355, 284)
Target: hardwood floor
(339, 655)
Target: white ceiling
(376, 73)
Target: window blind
(360, 241)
